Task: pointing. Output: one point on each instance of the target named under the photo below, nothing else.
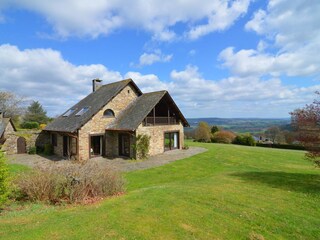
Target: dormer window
(68, 113)
(82, 111)
(108, 113)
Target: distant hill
(242, 125)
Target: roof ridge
(164, 91)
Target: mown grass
(228, 192)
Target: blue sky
(217, 58)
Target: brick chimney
(96, 84)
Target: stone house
(107, 122)
(9, 141)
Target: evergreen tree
(35, 113)
(214, 129)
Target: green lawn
(228, 192)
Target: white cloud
(151, 58)
(225, 13)
(44, 75)
(291, 33)
(85, 18)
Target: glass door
(171, 141)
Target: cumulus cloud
(291, 36)
(151, 58)
(44, 75)
(82, 18)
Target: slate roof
(3, 124)
(95, 101)
(135, 113)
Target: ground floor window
(171, 140)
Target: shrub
(223, 137)
(32, 150)
(42, 126)
(30, 125)
(203, 132)
(48, 149)
(185, 147)
(70, 184)
(244, 140)
(4, 180)
(142, 146)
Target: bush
(4, 180)
(142, 146)
(223, 137)
(42, 126)
(32, 150)
(282, 146)
(70, 184)
(244, 140)
(30, 125)
(48, 149)
(202, 132)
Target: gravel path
(117, 163)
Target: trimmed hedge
(30, 125)
(281, 146)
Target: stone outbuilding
(108, 121)
(9, 141)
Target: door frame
(103, 142)
(65, 146)
(120, 146)
(164, 140)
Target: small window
(82, 111)
(108, 113)
(68, 113)
(54, 139)
(128, 91)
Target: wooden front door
(124, 145)
(21, 145)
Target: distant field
(241, 125)
(228, 192)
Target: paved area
(117, 163)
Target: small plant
(4, 180)
(48, 149)
(142, 146)
(32, 150)
(42, 126)
(185, 147)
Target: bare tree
(11, 104)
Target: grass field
(228, 192)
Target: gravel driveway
(117, 163)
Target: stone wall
(10, 145)
(157, 136)
(98, 123)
